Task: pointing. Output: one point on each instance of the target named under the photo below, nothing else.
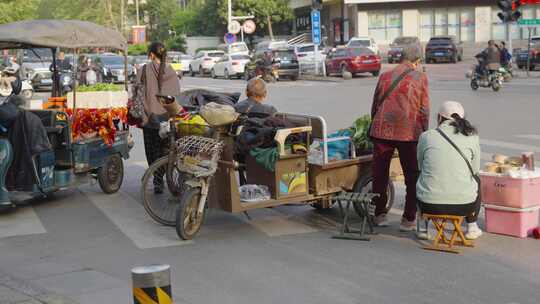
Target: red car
(353, 60)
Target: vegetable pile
(101, 87)
(360, 131)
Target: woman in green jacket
(446, 185)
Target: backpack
(136, 112)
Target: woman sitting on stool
(446, 185)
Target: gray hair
(256, 88)
(411, 53)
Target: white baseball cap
(449, 108)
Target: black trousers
(155, 147)
(470, 211)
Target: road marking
(508, 145)
(131, 218)
(274, 223)
(529, 136)
(23, 221)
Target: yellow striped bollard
(152, 284)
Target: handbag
(386, 94)
(136, 112)
(475, 176)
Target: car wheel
(213, 74)
(376, 73)
(226, 73)
(201, 72)
(531, 67)
(345, 72)
(294, 77)
(27, 94)
(521, 67)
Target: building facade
(471, 21)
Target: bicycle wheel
(365, 185)
(161, 191)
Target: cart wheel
(365, 185)
(161, 202)
(188, 221)
(111, 174)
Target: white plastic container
(98, 100)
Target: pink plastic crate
(511, 221)
(510, 192)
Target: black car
(396, 47)
(287, 63)
(444, 48)
(112, 67)
(285, 59)
(521, 57)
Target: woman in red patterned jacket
(400, 113)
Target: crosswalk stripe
(529, 136)
(23, 221)
(273, 223)
(131, 218)
(508, 145)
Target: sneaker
(473, 232)
(422, 233)
(407, 226)
(381, 220)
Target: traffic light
(316, 4)
(509, 12)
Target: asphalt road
(82, 244)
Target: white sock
(472, 226)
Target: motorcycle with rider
(488, 73)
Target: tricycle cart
(70, 161)
(209, 174)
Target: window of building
(385, 26)
(467, 26)
(458, 22)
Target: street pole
(242, 33)
(137, 10)
(122, 17)
(529, 52)
(229, 12)
(509, 36)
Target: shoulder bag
(475, 176)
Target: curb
(321, 79)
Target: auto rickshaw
(68, 163)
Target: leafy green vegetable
(360, 130)
(101, 87)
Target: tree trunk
(112, 21)
(270, 31)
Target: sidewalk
(17, 291)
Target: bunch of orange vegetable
(89, 123)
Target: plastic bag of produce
(218, 115)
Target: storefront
(473, 21)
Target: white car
(364, 41)
(204, 61)
(240, 48)
(185, 60)
(306, 52)
(230, 66)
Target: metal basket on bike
(198, 155)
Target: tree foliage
(17, 10)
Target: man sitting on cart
(253, 106)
